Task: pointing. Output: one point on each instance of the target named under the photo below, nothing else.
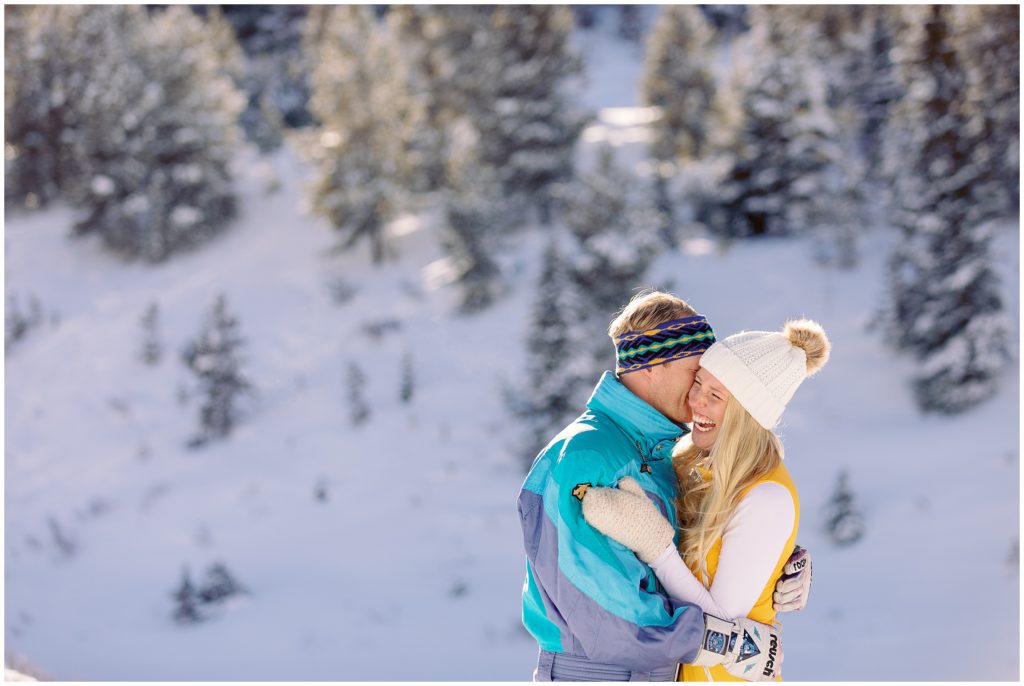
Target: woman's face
(708, 398)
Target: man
(597, 611)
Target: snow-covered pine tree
(614, 240)
(728, 20)
(219, 585)
(438, 45)
(215, 358)
(260, 120)
(16, 323)
(755, 189)
(276, 64)
(186, 608)
(158, 132)
(553, 362)
(943, 299)
(358, 96)
(878, 90)
(526, 125)
(677, 79)
(34, 106)
(831, 36)
(586, 15)
(631, 27)
(988, 38)
(664, 208)
(152, 347)
(843, 520)
(221, 37)
(476, 215)
(50, 57)
(785, 175)
(61, 541)
(355, 380)
(408, 382)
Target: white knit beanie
(762, 369)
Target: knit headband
(665, 342)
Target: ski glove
(747, 649)
(627, 515)
(794, 585)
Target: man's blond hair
(646, 310)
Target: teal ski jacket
(586, 595)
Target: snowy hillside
(391, 550)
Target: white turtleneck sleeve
(752, 543)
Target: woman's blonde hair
(744, 452)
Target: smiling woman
(738, 512)
(708, 399)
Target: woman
(738, 507)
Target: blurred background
(294, 294)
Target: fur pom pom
(808, 334)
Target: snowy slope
(412, 567)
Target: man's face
(671, 385)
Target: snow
(184, 216)
(412, 567)
(102, 185)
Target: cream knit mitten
(628, 516)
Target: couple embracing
(657, 553)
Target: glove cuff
(719, 635)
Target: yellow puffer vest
(762, 610)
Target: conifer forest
(294, 295)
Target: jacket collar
(643, 424)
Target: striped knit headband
(665, 342)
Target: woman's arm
(752, 543)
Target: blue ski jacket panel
(586, 595)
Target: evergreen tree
(439, 46)
(553, 365)
(45, 68)
(276, 67)
(158, 133)
(831, 36)
(879, 89)
(152, 348)
(664, 208)
(786, 175)
(219, 585)
(408, 384)
(221, 38)
(728, 20)
(677, 79)
(944, 305)
(526, 129)
(475, 214)
(320, 492)
(64, 545)
(631, 26)
(186, 609)
(260, 119)
(215, 358)
(586, 15)
(989, 41)
(355, 379)
(615, 238)
(844, 522)
(17, 322)
(359, 155)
